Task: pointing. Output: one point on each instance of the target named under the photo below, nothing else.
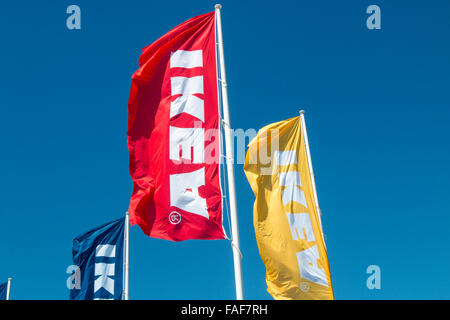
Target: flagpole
(8, 288)
(127, 256)
(310, 167)
(229, 157)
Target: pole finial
(301, 112)
(218, 6)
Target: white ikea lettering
(299, 222)
(184, 192)
(291, 180)
(105, 250)
(103, 270)
(187, 143)
(186, 59)
(183, 85)
(307, 264)
(185, 139)
(285, 158)
(187, 102)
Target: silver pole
(127, 257)
(229, 157)
(8, 288)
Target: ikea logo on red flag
(173, 135)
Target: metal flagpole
(229, 157)
(127, 256)
(8, 288)
(311, 171)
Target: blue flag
(99, 256)
(3, 289)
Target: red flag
(173, 135)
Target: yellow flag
(287, 225)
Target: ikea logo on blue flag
(99, 256)
(105, 271)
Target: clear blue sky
(378, 113)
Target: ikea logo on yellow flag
(286, 213)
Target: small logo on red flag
(175, 217)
